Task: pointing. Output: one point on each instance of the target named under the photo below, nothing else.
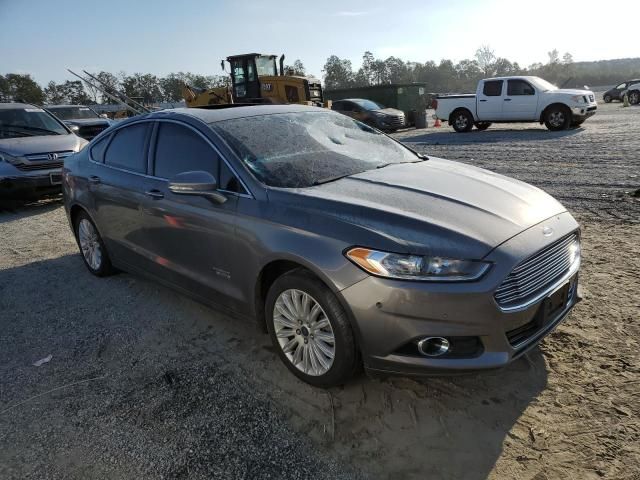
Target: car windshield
(28, 122)
(297, 150)
(543, 84)
(73, 113)
(368, 104)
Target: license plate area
(55, 178)
(555, 303)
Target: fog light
(433, 346)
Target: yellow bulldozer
(255, 80)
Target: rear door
(117, 183)
(489, 100)
(192, 238)
(521, 101)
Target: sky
(45, 37)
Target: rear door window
(492, 88)
(97, 150)
(180, 149)
(128, 149)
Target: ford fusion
(346, 246)
(33, 144)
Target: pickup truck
(516, 99)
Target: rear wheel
(557, 117)
(310, 330)
(461, 121)
(482, 125)
(92, 247)
(607, 99)
(634, 97)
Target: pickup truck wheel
(634, 97)
(461, 121)
(557, 118)
(607, 99)
(482, 125)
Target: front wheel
(310, 330)
(607, 99)
(557, 118)
(482, 125)
(634, 97)
(461, 121)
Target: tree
(22, 88)
(486, 59)
(567, 59)
(108, 83)
(144, 86)
(554, 57)
(53, 94)
(337, 73)
(297, 68)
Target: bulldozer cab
(245, 70)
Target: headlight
(416, 267)
(5, 157)
(574, 252)
(578, 99)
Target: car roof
(220, 114)
(16, 105)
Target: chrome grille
(42, 157)
(27, 167)
(537, 273)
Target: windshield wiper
(37, 129)
(12, 130)
(421, 157)
(333, 178)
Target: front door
(521, 101)
(191, 237)
(489, 101)
(246, 87)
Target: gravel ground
(144, 383)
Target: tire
(607, 99)
(291, 328)
(557, 117)
(634, 97)
(482, 125)
(92, 249)
(461, 121)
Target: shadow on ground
(493, 135)
(171, 387)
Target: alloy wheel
(90, 244)
(462, 121)
(304, 332)
(556, 119)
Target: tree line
(443, 77)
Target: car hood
(389, 111)
(433, 207)
(570, 91)
(40, 144)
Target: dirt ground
(145, 383)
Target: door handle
(507, 99)
(155, 194)
(94, 179)
(483, 100)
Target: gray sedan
(346, 246)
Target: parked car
(516, 99)
(371, 113)
(83, 121)
(345, 245)
(633, 93)
(617, 92)
(33, 144)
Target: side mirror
(198, 183)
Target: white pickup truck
(516, 99)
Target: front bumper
(583, 112)
(28, 186)
(391, 316)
